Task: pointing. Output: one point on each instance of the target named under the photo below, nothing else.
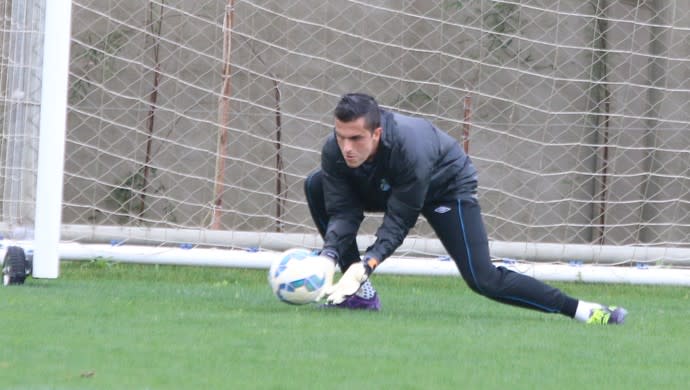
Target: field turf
(114, 326)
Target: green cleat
(607, 315)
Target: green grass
(105, 326)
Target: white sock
(584, 310)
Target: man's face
(356, 142)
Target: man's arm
(414, 160)
(402, 212)
(344, 209)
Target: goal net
(195, 122)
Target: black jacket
(415, 164)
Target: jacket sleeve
(413, 160)
(345, 211)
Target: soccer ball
(298, 277)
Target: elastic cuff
(370, 263)
(329, 253)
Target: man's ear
(377, 132)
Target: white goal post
(51, 146)
(193, 123)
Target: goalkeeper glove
(351, 281)
(330, 257)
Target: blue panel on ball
(314, 282)
(292, 256)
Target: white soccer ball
(298, 277)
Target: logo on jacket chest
(384, 186)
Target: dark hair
(353, 106)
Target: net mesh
(209, 114)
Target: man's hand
(352, 279)
(329, 257)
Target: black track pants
(460, 228)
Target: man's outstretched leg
(460, 228)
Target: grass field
(115, 326)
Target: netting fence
(208, 114)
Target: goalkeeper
(377, 160)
